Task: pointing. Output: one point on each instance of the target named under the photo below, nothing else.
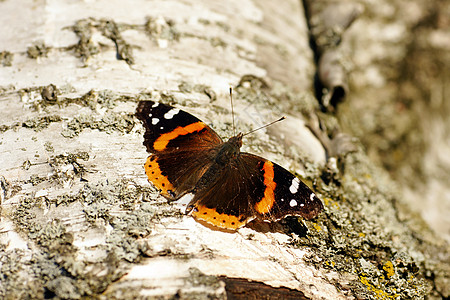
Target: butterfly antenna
(232, 109)
(267, 125)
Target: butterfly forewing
(291, 197)
(183, 147)
(170, 129)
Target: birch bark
(78, 217)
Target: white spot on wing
(311, 197)
(294, 185)
(156, 104)
(301, 204)
(155, 121)
(293, 203)
(171, 113)
(150, 115)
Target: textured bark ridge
(79, 219)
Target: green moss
(197, 278)
(38, 50)
(111, 30)
(86, 48)
(36, 179)
(39, 123)
(185, 87)
(161, 29)
(16, 280)
(109, 123)
(49, 147)
(6, 58)
(218, 42)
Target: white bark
(78, 217)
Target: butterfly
(230, 187)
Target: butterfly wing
(252, 187)
(183, 147)
(228, 199)
(285, 195)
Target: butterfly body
(230, 187)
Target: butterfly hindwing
(227, 199)
(253, 187)
(183, 147)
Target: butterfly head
(230, 149)
(236, 141)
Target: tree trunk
(78, 217)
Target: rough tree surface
(79, 219)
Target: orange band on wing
(164, 139)
(155, 176)
(211, 216)
(266, 203)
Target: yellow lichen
(330, 202)
(379, 293)
(389, 269)
(317, 227)
(330, 263)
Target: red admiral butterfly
(230, 187)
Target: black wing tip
(314, 209)
(143, 108)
